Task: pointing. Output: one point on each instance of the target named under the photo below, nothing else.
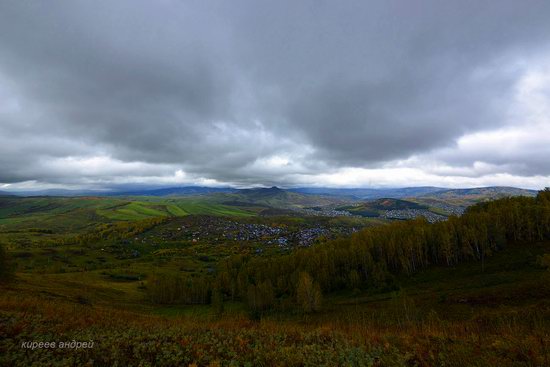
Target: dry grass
(135, 338)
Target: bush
(6, 268)
(308, 293)
(178, 289)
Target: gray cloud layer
(255, 92)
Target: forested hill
(372, 257)
(477, 193)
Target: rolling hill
(466, 197)
(369, 193)
(275, 197)
(176, 191)
(78, 212)
(376, 208)
(139, 204)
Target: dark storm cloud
(218, 88)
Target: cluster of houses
(324, 212)
(405, 214)
(218, 230)
(450, 209)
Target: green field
(56, 212)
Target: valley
(187, 277)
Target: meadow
(93, 270)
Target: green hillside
(442, 316)
(77, 212)
(274, 197)
(467, 197)
(172, 287)
(377, 207)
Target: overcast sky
(289, 93)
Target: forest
(368, 259)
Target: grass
(126, 338)
(509, 283)
(133, 211)
(56, 212)
(183, 336)
(137, 210)
(497, 314)
(461, 316)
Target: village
(406, 214)
(218, 230)
(448, 208)
(327, 211)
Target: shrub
(308, 293)
(6, 268)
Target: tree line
(370, 258)
(114, 231)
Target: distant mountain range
(483, 191)
(405, 203)
(168, 191)
(467, 197)
(422, 191)
(368, 193)
(176, 191)
(299, 196)
(276, 198)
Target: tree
(261, 297)
(373, 256)
(544, 196)
(217, 302)
(164, 288)
(354, 280)
(544, 261)
(308, 293)
(6, 270)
